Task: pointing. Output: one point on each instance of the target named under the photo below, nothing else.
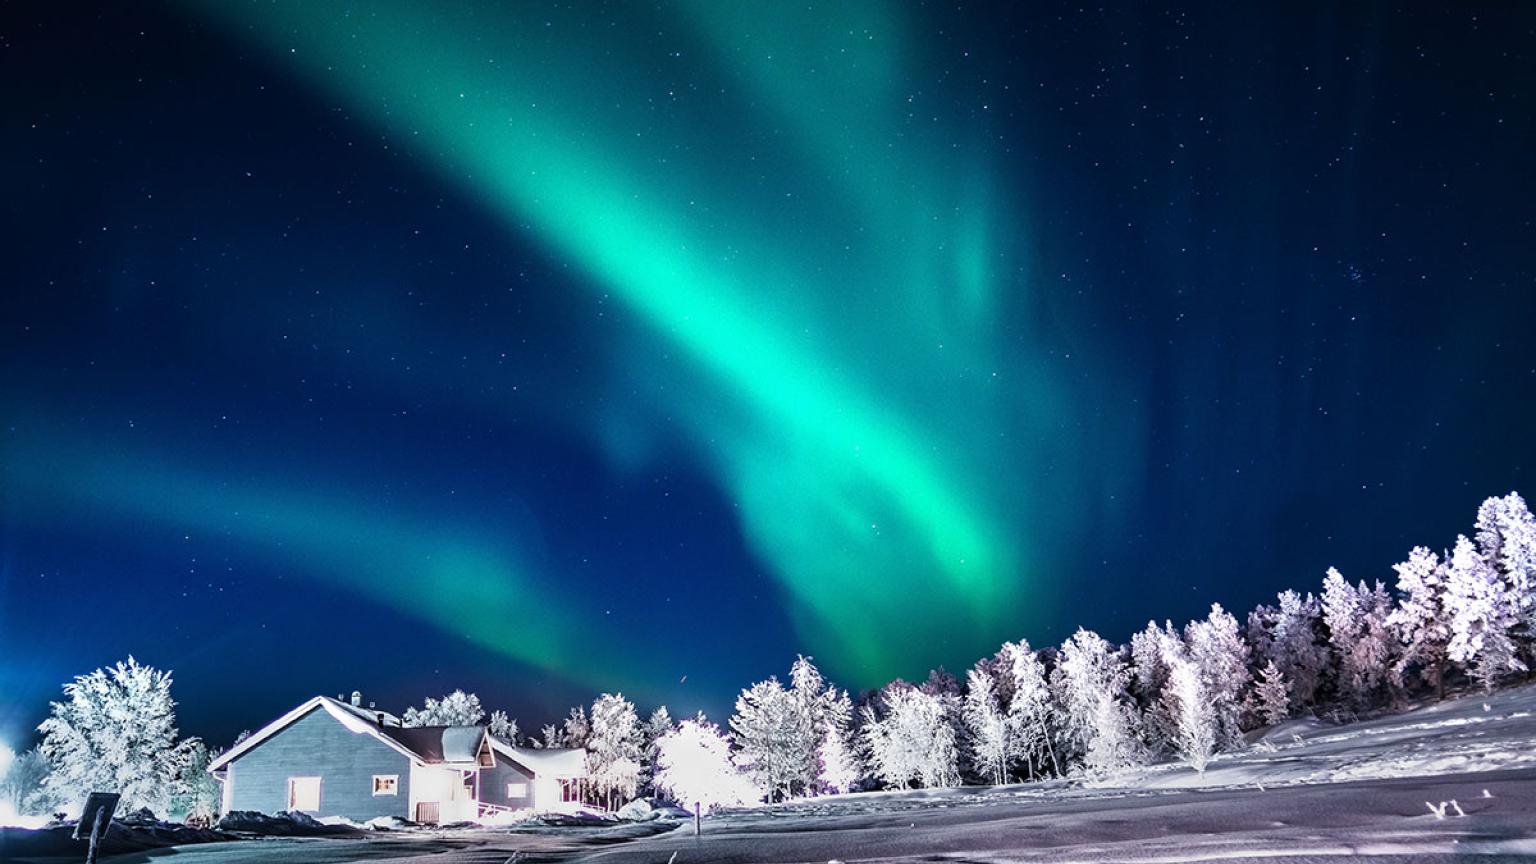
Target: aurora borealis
(537, 349)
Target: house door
(426, 812)
(304, 794)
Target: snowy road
(1367, 818)
(1383, 820)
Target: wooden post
(696, 818)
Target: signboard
(99, 806)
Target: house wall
(318, 745)
(445, 787)
(493, 784)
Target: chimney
(357, 699)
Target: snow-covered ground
(1304, 792)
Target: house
(334, 757)
(543, 779)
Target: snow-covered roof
(440, 745)
(427, 745)
(560, 763)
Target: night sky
(542, 349)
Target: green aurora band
(434, 566)
(820, 264)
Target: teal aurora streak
(821, 267)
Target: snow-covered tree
(657, 726)
(197, 796)
(502, 727)
(1029, 708)
(1357, 629)
(576, 729)
(1098, 722)
(1152, 650)
(837, 764)
(914, 743)
(1149, 669)
(115, 729)
(1420, 621)
(1482, 616)
(1288, 635)
(1217, 649)
(987, 727)
(456, 709)
(775, 739)
(1271, 695)
(821, 717)
(1506, 537)
(22, 790)
(1195, 713)
(695, 769)
(613, 749)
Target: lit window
(304, 794)
(386, 784)
(517, 790)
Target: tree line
(1465, 616)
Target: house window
(386, 784)
(517, 790)
(304, 794)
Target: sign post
(97, 813)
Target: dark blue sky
(305, 386)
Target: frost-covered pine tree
(613, 749)
(1149, 671)
(1217, 649)
(657, 726)
(115, 729)
(1029, 708)
(1506, 536)
(502, 726)
(576, 729)
(1151, 651)
(1188, 701)
(815, 699)
(197, 796)
(1420, 621)
(1290, 638)
(914, 744)
(456, 709)
(1271, 695)
(1482, 616)
(987, 727)
(837, 763)
(772, 732)
(1100, 727)
(22, 789)
(695, 769)
(1356, 617)
(1374, 648)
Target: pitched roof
(428, 745)
(439, 744)
(562, 763)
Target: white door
(304, 794)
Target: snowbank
(287, 824)
(56, 839)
